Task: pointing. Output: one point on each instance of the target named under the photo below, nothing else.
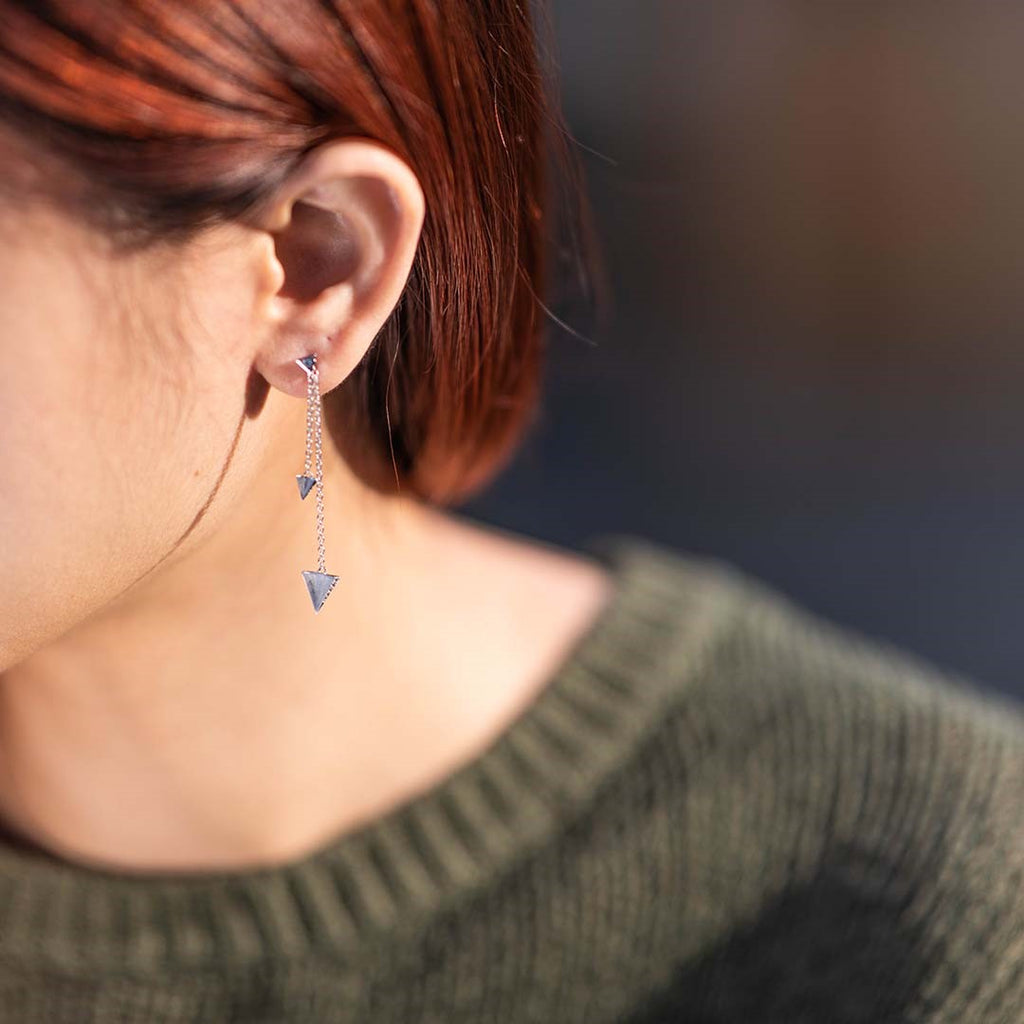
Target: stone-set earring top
(319, 583)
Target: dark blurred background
(812, 218)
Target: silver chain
(315, 411)
(309, 425)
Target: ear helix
(319, 583)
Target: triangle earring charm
(319, 585)
(305, 484)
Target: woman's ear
(343, 231)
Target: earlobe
(344, 230)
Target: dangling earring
(319, 583)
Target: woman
(445, 774)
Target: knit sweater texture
(719, 808)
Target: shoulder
(761, 669)
(756, 638)
(853, 814)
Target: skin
(168, 699)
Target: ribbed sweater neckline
(392, 873)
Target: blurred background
(812, 220)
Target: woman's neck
(208, 719)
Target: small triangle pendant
(305, 484)
(319, 585)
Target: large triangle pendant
(305, 484)
(319, 585)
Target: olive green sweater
(719, 809)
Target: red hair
(175, 116)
